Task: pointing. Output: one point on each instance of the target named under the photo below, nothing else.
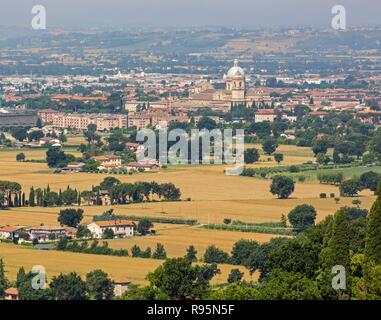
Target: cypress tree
(16, 200)
(20, 198)
(21, 276)
(23, 199)
(160, 252)
(373, 235)
(3, 280)
(10, 202)
(32, 197)
(336, 253)
(60, 200)
(191, 253)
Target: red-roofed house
(10, 232)
(265, 115)
(121, 228)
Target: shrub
(301, 178)
(323, 195)
(227, 221)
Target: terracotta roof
(141, 165)
(265, 112)
(10, 228)
(113, 223)
(106, 158)
(12, 291)
(318, 113)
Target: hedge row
(153, 219)
(251, 228)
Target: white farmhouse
(121, 228)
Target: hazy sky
(180, 13)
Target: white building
(121, 228)
(265, 115)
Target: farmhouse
(121, 228)
(142, 166)
(73, 167)
(265, 115)
(10, 232)
(108, 162)
(44, 233)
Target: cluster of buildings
(169, 102)
(41, 234)
(104, 122)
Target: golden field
(177, 238)
(55, 262)
(213, 196)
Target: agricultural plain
(208, 195)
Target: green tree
(335, 253)
(108, 234)
(69, 197)
(35, 135)
(26, 290)
(251, 155)
(235, 275)
(160, 252)
(350, 188)
(91, 134)
(70, 217)
(373, 235)
(191, 253)
(370, 180)
(136, 251)
(320, 146)
(20, 156)
(68, 287)
(278, 157)
(19, 133)
(56, 158)
(170, 192)
(282, 186)
(39, 123)
(21, 276)
(83, 232)
(269, 145)
(206, 123)
(144, 226)
(280, 285)
(108, 183)
(99, 285)
(242, 250)
(215, 255)
(179, 280)
(3, 280)
(302, 216)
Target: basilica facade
(236, 92)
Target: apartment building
(104, 122)
(47, 115)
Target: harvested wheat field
(176, 239)
(55, 262)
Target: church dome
(236, 71)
